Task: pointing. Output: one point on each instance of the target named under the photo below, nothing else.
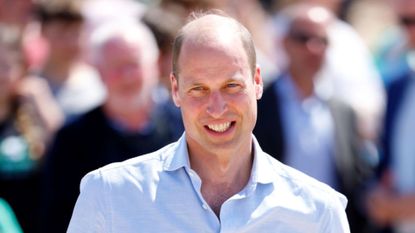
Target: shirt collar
(179, 157)
(285, 85)
(262, 169)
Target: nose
(128, 71)
(217, 105)
(315, 46)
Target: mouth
(220, 128)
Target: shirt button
(205, 206)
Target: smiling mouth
(220, 128)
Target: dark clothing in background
(89, 143)
(350, 167)
(396, 94)
(20, 163)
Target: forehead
(214, 55)
(307, 25)
(120, 46)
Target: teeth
(220, 127)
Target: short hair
(288, 15)
(132, 31)
(244, 35)
(59, 10)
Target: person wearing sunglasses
(393, 53)
(303, 128)
(391, 203)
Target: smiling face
(217, 94)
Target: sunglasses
(304, 38)
(407, 21)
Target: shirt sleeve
(335, 218)
(90, 212)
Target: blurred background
(84, 83)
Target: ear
(259, 85)
(175, 89)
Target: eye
(233, 87)
(198, 91)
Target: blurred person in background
(392, 202)
(99, 12)
(348, 74)
(21, 14)
(25, 130)
(394, 54)
(130, 122)
(249, 12)
(215, 177)
(165, 22)
(306, 130)
(75, 84)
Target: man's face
(306, 45)
(64, 39)
(124, 74)
(217, 95)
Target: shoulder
(84, 122)
(307, 200)
(140, 169)
(317, 194)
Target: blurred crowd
(84, 83)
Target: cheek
(191, 106)
(192, 110)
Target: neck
(223, 169)
(223, 174)
(56, 72)
(304, 82)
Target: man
(75, 85)
(304, 129)
(129, 123)
(392, 201)
(394, 51)
(216, 177)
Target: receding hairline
(210, 26)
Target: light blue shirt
(403, 151)
(403, 146)
(308, 132)
(159, 192)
